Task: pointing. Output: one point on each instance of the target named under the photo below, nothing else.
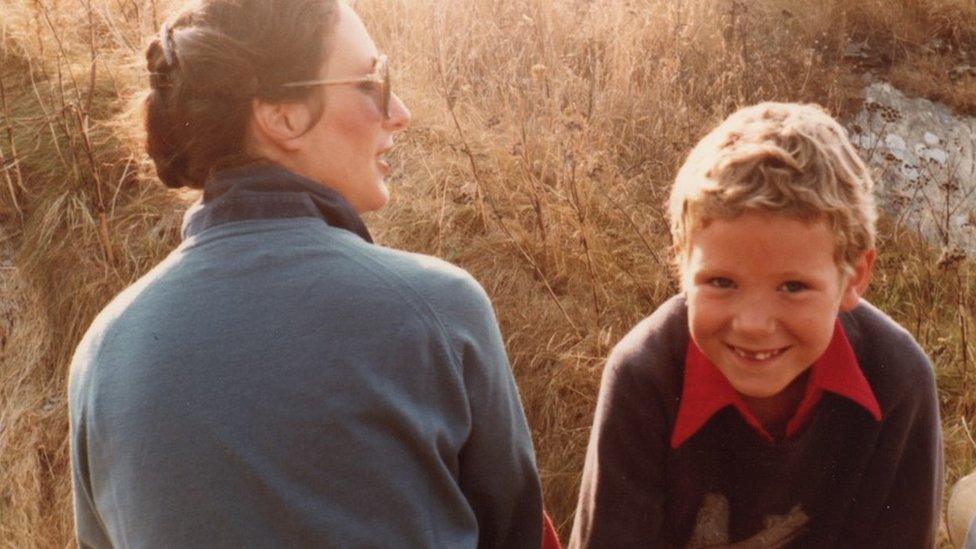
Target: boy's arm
(910, 451)
(621, 502)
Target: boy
(767, 405)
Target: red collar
(706, 390)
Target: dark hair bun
(220, 55)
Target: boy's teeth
(756, 356)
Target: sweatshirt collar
(706, 390)
(268, 191)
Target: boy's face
(763, 292)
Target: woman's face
(346, 148)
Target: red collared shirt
(706, 390)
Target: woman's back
(277, 380)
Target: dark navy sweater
(845, 480)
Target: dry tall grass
(545, 135)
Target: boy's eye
(793, 286)
(720, 282)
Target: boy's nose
(754, 319)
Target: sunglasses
(380, 75)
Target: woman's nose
(399, 114)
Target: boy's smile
(763, 292)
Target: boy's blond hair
(783, 158)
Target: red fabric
(550, 540)
(706, 390)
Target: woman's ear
(279, 125)
(857, 282)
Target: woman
(278, 380)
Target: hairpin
(165, 39)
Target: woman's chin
(376, 201)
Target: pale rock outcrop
(924, 157)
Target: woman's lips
(381, 161)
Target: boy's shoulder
(654, 350)
(894, 364)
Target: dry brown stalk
(63, 55)
(113, 26)
(964, 313)
(94, 58)
(14, 162)
(97, 183)
(480, 185)
(155, 17)
(633, 225)
(47, 115)
(584, 242)
(536, 190)
(501, 222)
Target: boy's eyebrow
(705, 270)
(814, 274)
(709, 264)
(796, 274)
(710, 271)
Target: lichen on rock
(924, 159)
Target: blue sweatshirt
(278, 380)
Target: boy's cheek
(705, 325)
(707, 308)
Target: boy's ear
(279, 124)
(857, 283)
